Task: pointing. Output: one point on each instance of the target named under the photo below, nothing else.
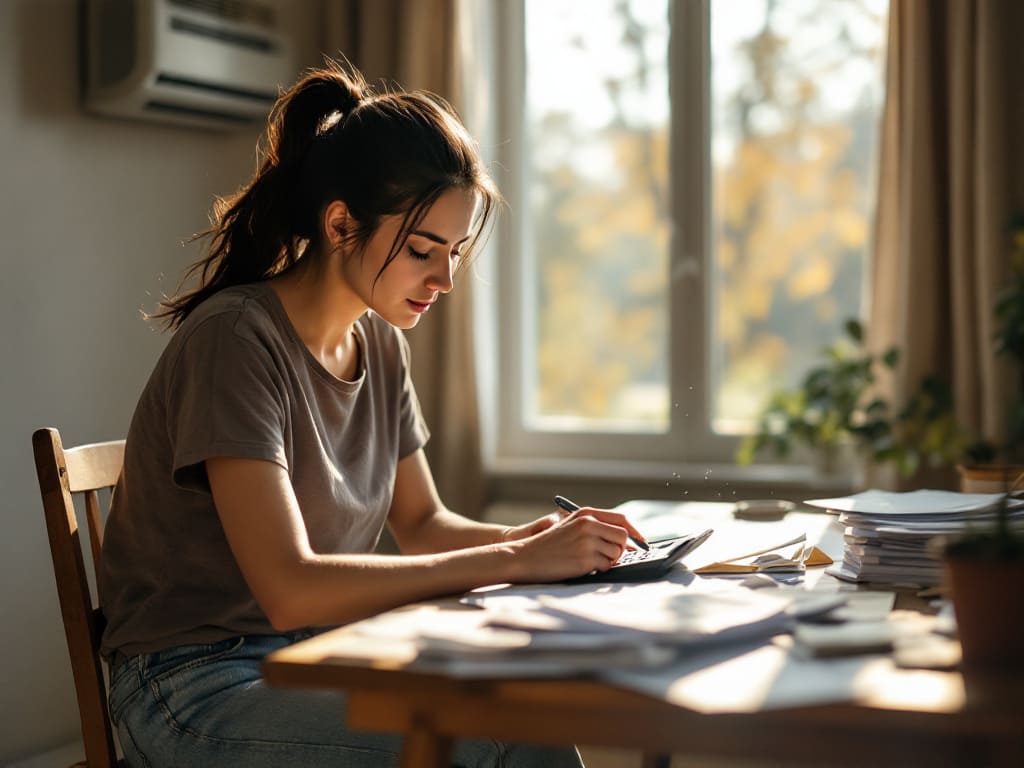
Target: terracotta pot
(989, 478)
(988, 599)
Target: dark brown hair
(330, 138)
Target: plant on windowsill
(989, 463)
(833, 409)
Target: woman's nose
(442, 278)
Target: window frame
(690, 449)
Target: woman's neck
(323, 309)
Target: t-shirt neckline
(285, 322)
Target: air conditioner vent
(233, 10)
(241, 39)
(189, 83)
(178, 110)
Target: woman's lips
(419, 306)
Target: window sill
(606, 483)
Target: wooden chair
(85, 469)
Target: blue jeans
(200, 706)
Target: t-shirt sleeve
(225, 398)
(413, 431)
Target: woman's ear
(336, 223)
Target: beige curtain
(943, 203)
(414, 44)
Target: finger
(543, 523)
(605, 531)
(564, 516)
(565, 512)
(619, 519)
(610, 553)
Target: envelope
(792, 555)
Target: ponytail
(258, 232)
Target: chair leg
(656, 760)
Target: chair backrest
(85, 469)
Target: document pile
(887, 534)
(576, 629)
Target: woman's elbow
(284, 612)
(281, 599)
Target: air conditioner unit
(210, 63)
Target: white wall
(92, 214)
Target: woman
(280, 432)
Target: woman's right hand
(589, 539)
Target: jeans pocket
(180, 659)
(193, 683)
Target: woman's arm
(297, 587)
(421, 523)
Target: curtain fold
(940, 251)
(415, 44)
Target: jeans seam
(135, 746)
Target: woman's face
(424, 264)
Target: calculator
(640, 565)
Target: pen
(570, 506)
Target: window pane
(597, 237)
(796, 96)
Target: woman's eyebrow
(436, 238)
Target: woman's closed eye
(456, 256)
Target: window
(691, 188)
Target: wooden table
(911, 718)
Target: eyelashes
(421, 255)
(424, 255)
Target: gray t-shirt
(236, 380)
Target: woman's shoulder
(244, 309)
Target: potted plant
(984, 579)
(834, 409)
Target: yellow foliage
(845, 191)
(770, 350)
(637, 327)
(755, 299)
(649, 282)
(812, 279)
(850, 227)
(731, 321)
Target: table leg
(424, 748)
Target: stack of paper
(573, 629)
(887, 533)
